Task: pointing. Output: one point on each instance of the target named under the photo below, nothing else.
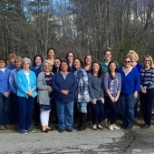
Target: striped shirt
(147, 78)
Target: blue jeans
(113, 110)
(127, 106)
(4, 103)
(146, 105)
(82, 107)
(26, 106)
(98, 112)
(65, 111)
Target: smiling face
(133, 57)
(77, 64)
(108, 55)
(26, 65)
(127, 62)
(18, 64)
(64, 67)
(96, 68)
(112, 67)
(88, 60)
(2, 64)
(46, 67)
(70, 57)
(147, 62)
(51, 53)
(57, 63)
(38, 61)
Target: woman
(26, 92)
(64, 84)
(96, 90)
(11, 60)
(4, 94)
(44, 85)
(134, 62)
(112, 86)
(147, 90)
(129, 92)
(70, 57)
(14, 111)
(56, 65)
(82, 93)
(87, 63)
(51, 55)
(36, 68)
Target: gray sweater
(43, 94)
(96, 89)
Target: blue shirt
(131, 81)
(4, 81)
(69, 83)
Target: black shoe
(83, 127)
(69, 129)
(124, 126)
(60, 130)
(129, 127)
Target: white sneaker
(111, 128)
(116, 127)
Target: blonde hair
(12, 55)
(48, 62)
(151, 60)
(18, 58)
(133, 52)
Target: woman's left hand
(102, 100)
(135, 94)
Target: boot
(82, 124)
(80, 121)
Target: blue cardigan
(22, 83)
(4, 81)
(69, 83)
(130, 82)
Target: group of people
(72, 86)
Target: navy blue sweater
(69, 83)
(130, 82)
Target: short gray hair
(26, 59)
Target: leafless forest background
(29, 27)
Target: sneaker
(23, 132)
(111, 127)
(30, 130)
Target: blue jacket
(22, 83)
(69, 83)
(4, 81)
(130, 82)
(36, 71)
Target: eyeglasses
(127, 61)
(146, 60)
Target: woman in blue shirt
(82, 93)
(4, 94)
(129, 92)
(112, 86)
(37, 68)
(64, 84)
(26, 92)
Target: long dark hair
(109, 71)
(81, 63)
(54, 70)
(100, 72)
(35, 58)
(66, 57)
